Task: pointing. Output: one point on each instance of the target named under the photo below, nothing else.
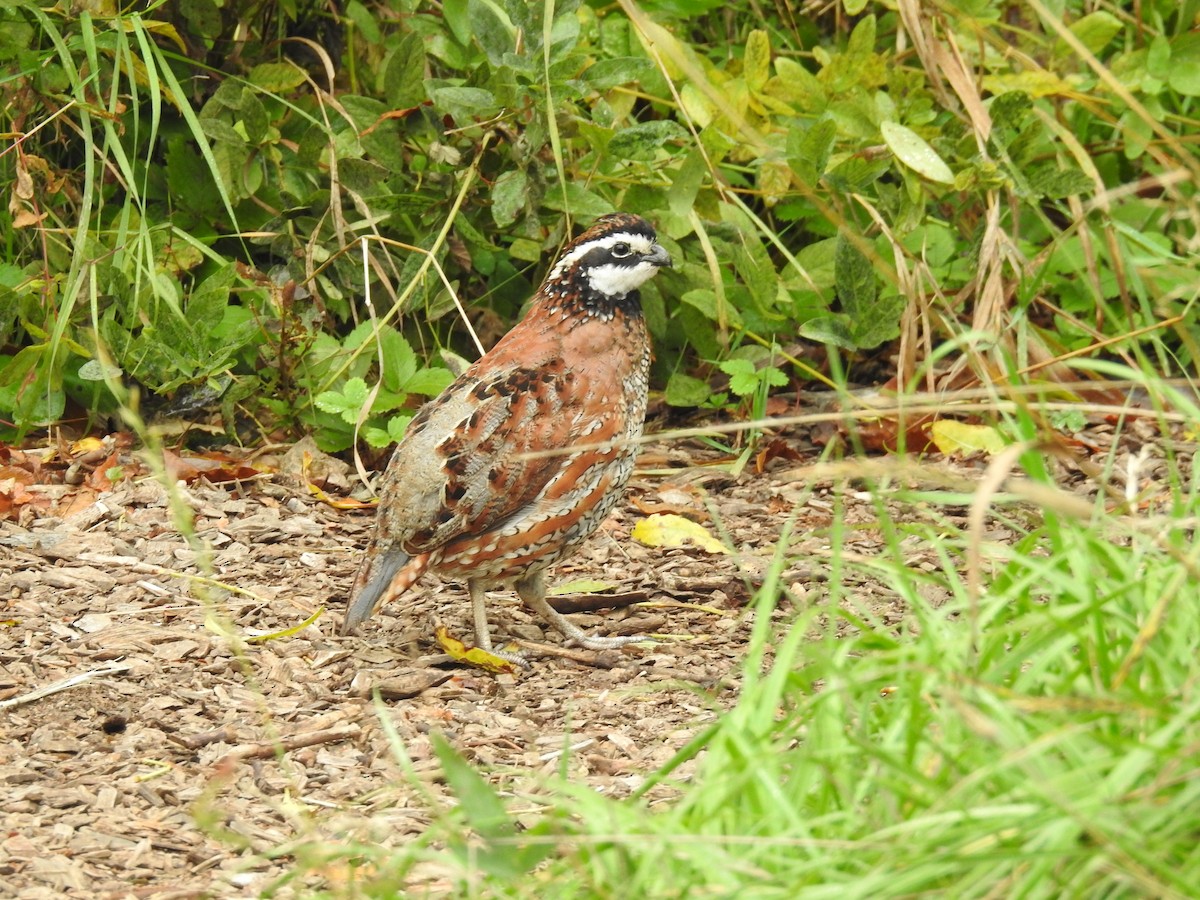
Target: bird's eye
(621, 250)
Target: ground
(160, 773)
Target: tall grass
(1027, 731)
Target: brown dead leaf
(776, 448)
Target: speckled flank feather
(462, 497)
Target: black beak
(659, 257)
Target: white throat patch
(617, 281)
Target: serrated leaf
(670, 530)
(347, 402)
(399, 360)
(396, 427)
(912, 150)
(953, 437)
(429, 382)
(508, 196)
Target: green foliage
(178, 212)
(1035, 729)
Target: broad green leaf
(809, 149)
(854, 278)
(1185, 65)
(912, 150)
(831, 329)
(364, 21)
(277, 77)
(862, 38)
(1094, 31)
(428, 382)
(399, 360)
(685, 183)
(404, 73)
(509, 193)
(1158, 58)
(641, 141)
(581, 202)
(704, 300)
(609, 73)
(878, 323)
(684, 390)
(464, 104)
(1055, 183)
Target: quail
(514, 465)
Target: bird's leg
(532, 591)
(483, 636)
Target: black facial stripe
(602, 255)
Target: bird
(518, 461)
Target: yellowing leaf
(912, 150)
(756, 63)
(472, 656)
(951, 436)
(696, 105)
(255, 636)
(670, 530)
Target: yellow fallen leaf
(951, 436)
(257, 636)
(472, 656)
(670, 530)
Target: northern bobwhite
(465, 497)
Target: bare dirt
(188, 752)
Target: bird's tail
(375, 581)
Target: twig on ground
(61, 685)
(265, 749)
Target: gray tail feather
(383, 569)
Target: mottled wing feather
(470, 460)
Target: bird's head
(607, 263)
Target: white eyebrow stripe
(639, 242)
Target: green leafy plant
(355, 403)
